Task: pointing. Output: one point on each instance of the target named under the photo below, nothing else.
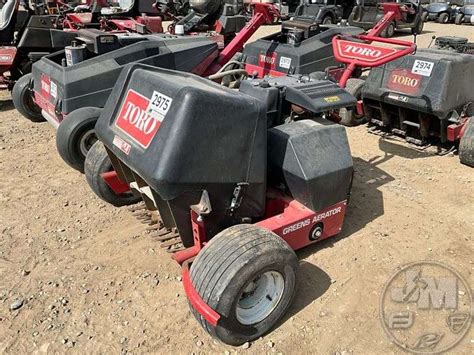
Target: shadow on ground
(393, 147)
(365, 205)
(6, 105)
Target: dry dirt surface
(91, 281)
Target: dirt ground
(93, 282)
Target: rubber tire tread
(98, 162)
(68, 134)
(223, 253)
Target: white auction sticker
(159, 104)
(285, 62)
(53, 89)
(422, 67)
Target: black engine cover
(313, 160)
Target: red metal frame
(263, 13)
(352, 62)
(287, 218)
(456, 131)
(116, 185)
(197, 302)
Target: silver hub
(260, 297)
(87, 141)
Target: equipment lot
(93, 281)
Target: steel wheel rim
(260, 297)
(87, 141)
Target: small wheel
(22, 97)
(97, 162)
(350, 118)
(466, 145)
(443, 18)
(327, 20)
(76, 135)
(459, 19)
(389, 31)
(424, 16)
(247, 274)
(418, 29)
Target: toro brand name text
(139, 118)
(404, 80)
(367, 52)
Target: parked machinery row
(236, 156)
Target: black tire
(466, 145)
(350, 118)
(389, 31)
(236, 258)
(459, 19)
(418, 29)
(327, 20)
(22, 97)
(424, 16)
(76, 136)
(97, 162)
(443, 18)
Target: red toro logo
(404, 81)
(45, 86)
(135, 121)
(362, 51)
(267, 60)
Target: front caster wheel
(247, 274)
(76, 135)
(98, 162)
(22, 96)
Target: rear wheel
(327, 20)
(389, 31)
(466, 145)
(350, 118)
(443, 18)
(98, 162)
(76, 135)
(459, 19)
(22, 97)
(247, 274)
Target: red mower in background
(233, 181)
(27, 35)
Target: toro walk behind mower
(426, 98)
(233, 181)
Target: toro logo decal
(404, 81)
(362, 51)
(140, 118)
(267, 60)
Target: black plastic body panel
(90, 82)
(211, 138)
(454, 70)
(313, 160)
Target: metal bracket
(203, 208)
